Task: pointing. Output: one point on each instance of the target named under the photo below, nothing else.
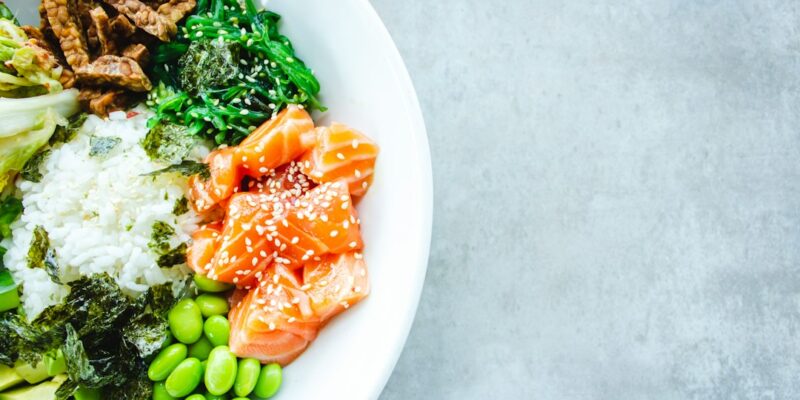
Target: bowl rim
(424, 183)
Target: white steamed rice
(99, 213)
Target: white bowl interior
(365, 85)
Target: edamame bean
(220, 371)
(186, 321)
(86, 394)
(168, 341)
(240, 398)
(217, 330)
(200, 349)
(209, 285)
(197, 396)
(269, 381)
(166, 361)
(160, 392)
(210, 396)
(184, 378)
(246, 376)
(211, 304)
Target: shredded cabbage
(26, 68)
(28, 125)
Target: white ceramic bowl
(365, 85)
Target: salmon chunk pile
(285, 230)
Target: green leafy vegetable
(185, 168)
(100, 146)
(5, 13)
(32, 169)
(41, 255)
(10, 210)
(169, 143)
(181, 206)
(159, 239)
(228, 72)
(172, 257)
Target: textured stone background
(617, 204)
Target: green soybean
(221, 371)
(211, 286)
(269, 381)
(160, 392)
(86, 394)
(186, 321)
(217, 330)
(240, 398)
(246, 376)
(166, 361)
(196, 396)
(184, 378)
(212, 304)
(200, 349)
(168, 341)
(210, 396)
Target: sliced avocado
(32, 373)
(43, 391)
(8, 377)
(57, 365)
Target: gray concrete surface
(617, 199)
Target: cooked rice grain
(99, 213)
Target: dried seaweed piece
(115, 70)
(175, 10)
(62, 17)
(102, 26)
(138, 52)
(145, 18)
(122, 26)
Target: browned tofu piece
(122, 26)
(48, 57)
(175, 10)
(33, 32)
(101, 101)
(102, 26)
(145, 18)
(67, 78)
(63, 19)
(137, 52)
(117, 71)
